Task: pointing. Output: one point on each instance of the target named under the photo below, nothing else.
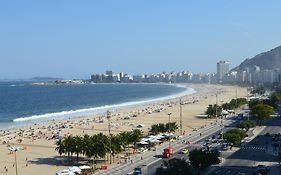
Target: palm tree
(173, 126)
(154, 129)
(102, 145)
(78, 141)
(60, 147)
(116, 145)
(67, 142)
(87, 145)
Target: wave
(102, 109)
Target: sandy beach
(38, 141)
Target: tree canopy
(234, 136)
(200, 160)
(96, 146)
(214, 110)
(258, 90)
(163, 128)
(262, 111)
(175, 167)
(247, 124)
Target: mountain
(266, 60)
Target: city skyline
(72, 40)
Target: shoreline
(40, 141)
(46, 118)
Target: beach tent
(224, 112)
(154, 141)
(65, 172)
(143, 143)
(75, 169)
(84, 167)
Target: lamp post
(180, 116)
(216, 107)
(236, 96)
(14, 150)
(16, 162)
(248, 102)
(109, 131)
(169, 114)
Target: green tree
(173, 126)
(175, 167)
(214, 111)
(258, 90)
(210, 111)
(200, 160)
(87, 146)
(60, 147)
(135, 136)
(247, 124)
(162, 128)
(154, 129)
(275, 98)
(234, 136)
(116, 145)
(262, 111)
(69, 147)
(100, 145)
(78, 141)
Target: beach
(37, 142)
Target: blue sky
(73, 39)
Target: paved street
(151, 157)
(259, 151)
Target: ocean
(23, 104)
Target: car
(215, 141)
(184, 151)
(209, 139)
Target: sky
(74, 39)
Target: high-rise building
(222, 69)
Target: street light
(169, 114)
(216, 107)
(14, 150)
(180, 116)
(248, 101)
(109, 131)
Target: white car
(65, 172)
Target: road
(152, 158)
(259, 151)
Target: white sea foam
(101, 109)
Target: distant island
(44, 79)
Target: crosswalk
(232, 171)
(253, 147)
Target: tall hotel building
(222, 70)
